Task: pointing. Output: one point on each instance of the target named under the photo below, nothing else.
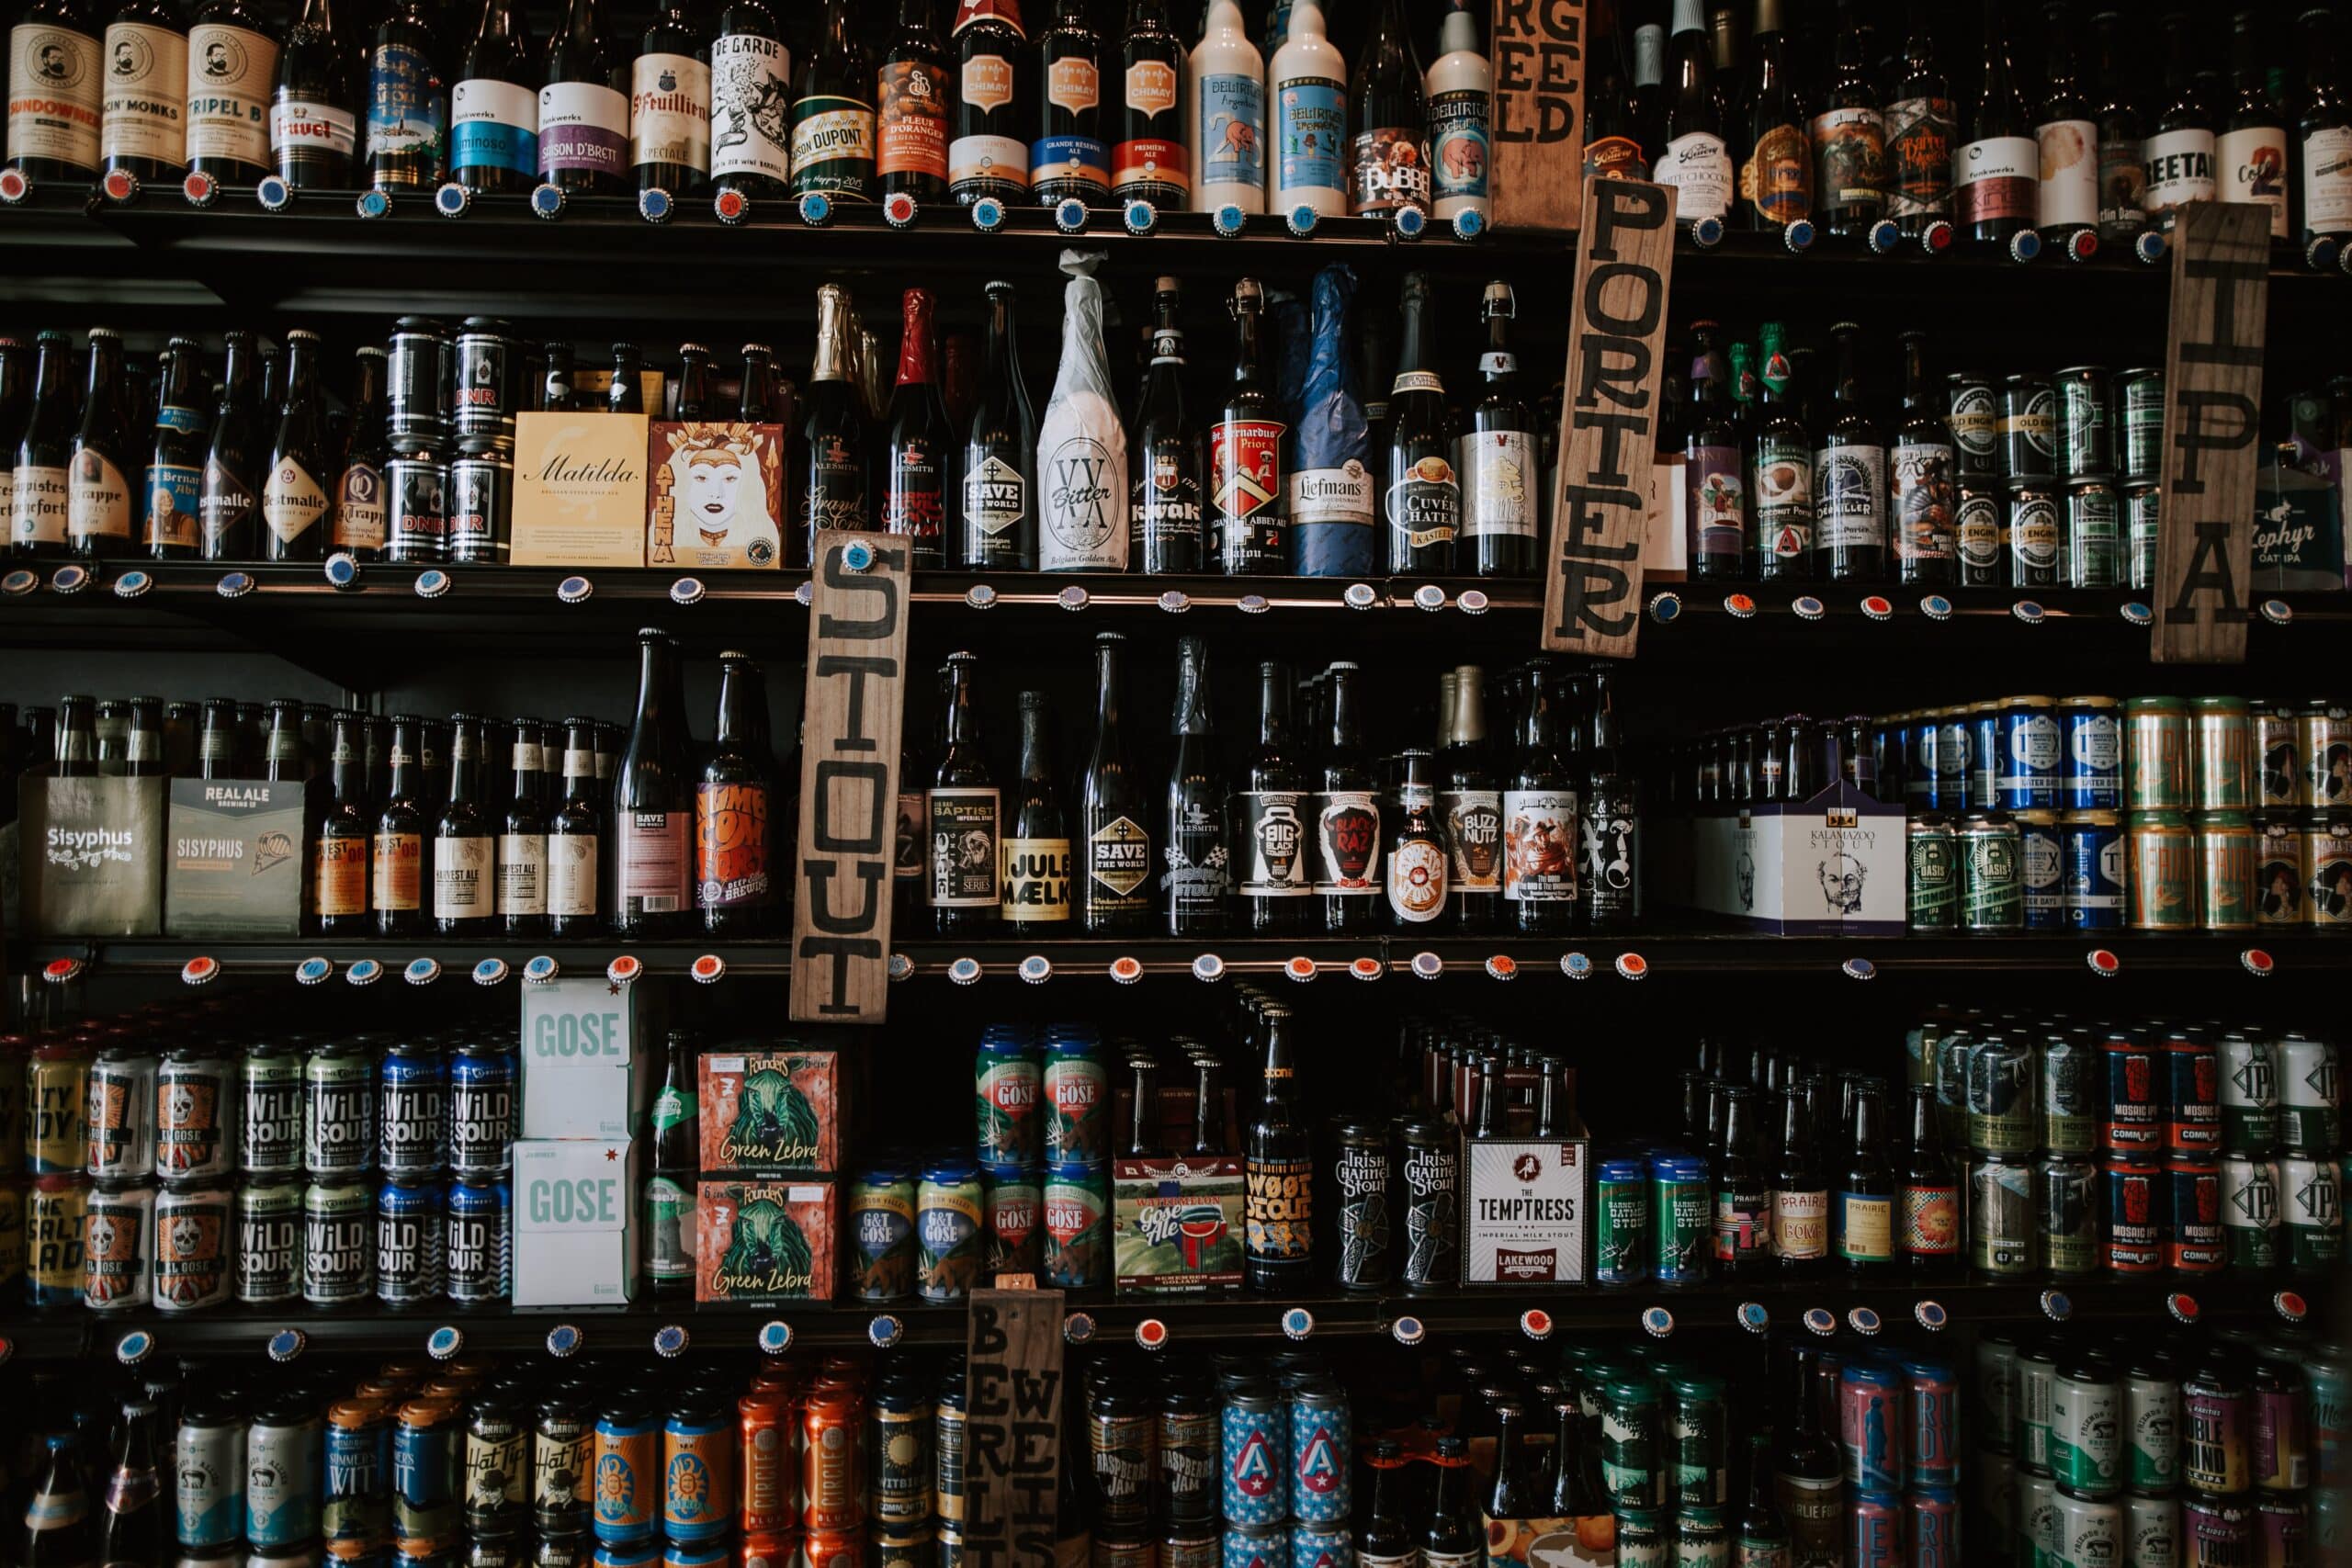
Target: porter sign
(849, 778)
(1592, 588)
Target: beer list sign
(849, 785)
(1013, 1393)
(1592, 581)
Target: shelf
(1194, 1322)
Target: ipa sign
(849, 777)
(1592, 579)
(1012, 1426)
(1539, 113)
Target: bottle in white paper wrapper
(1081, 445)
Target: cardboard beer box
(717, 495)
(764, 1241)
(582, 1055)
(236, 858)
(1525, 1206)
(1834, 865)
(771, 1111)
(93, 856)
(1587, 1541)
(579, 488)
(575, 1222)
(1178, 1225)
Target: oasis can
(1934, 873)
(1992, 881)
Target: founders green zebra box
(764, 1241)
(771, 1111)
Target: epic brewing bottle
(143, 116)
(829, 471)
(988, 155)
(1849, 477)
(1421, 495)
(1994, 173)
(98, 490)
(585, 105)
(313, 106)
(397, 858)
(1347, 818)
(1269, 814)
(1540, 817)
(1068, 157)
(575, 833)
(1390, 166)
(405, 127)
(737, 815)
(293, 495)
(915, 479)
(1848, 136)
(1920, 132)
(176, 461)
(961, 828)
(1036, 881)
(38, 485)
(338, 900)
(1148, 162)
(1164, 480)
(1778, 178)
(910, 100)
(1501, 471)
(1194, 846)
(751, 98)
(652, 801)
(669, 113)
(1278, 1170)
(54, 74)
(998, 516)
(1924, 499)
(1715, 494)
(1249, 504)
(832, 113)
(494, 107)
(1113, 880)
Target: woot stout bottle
(1278, 1170)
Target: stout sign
(2221, 269)
(849, 780)
(1592, 587)
(1539, 113)
(1012, 1425)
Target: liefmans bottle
(407, 124)
(494, 107)
(669, 114)
(584, 106)
(832, 113)
(1164, 532)
(1420, 495)
(1249, 504)
(1149, 160)
(1069, 157)
(989, 154)
(1334, 514)
(998, 517)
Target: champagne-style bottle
(1112, 879)
(829, 469)
(998, 516)
(832, 113)
(1421, 493)
(1081, 442)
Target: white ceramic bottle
(1460, 87)
(1225, 114)
(1307, 88)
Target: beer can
(2281, 1448)
(1972, 413)
(420, 373)
(948, 1438)
(338, 1243)
(2142, 528)
(1870, 1423)
(1996, 1494)
(1632, 1471)
(564, 1551)
(2160, 893)
(2193, 1097)
(1255, 1425)
(2094, 755)
(1006, 1092)
(269, 1112)
(356, 1497)
(643, 1552)
(1432, 1187)
(57, 1109)
(2031, 747)
(411, 1238)
(627, 1453)
(268, 1260)
(2087, 1427)
(2086, 440)
(1320, 1457)
(2283, 1529)
(2003, 1091)
(13, 1282)
(2222, 753)
(2034, 534)
(2094, 544)
(2277, 752)
(480, 1250)
(2029, 428)
(195, 1134)
(2155, 754)
(1997, 1391)
(2037, 1382)
(1076, 1215)
(767, 1478)
(2067, 1203)
(1014, 1199)
(950, 1246)
(1930, 1422)
(1934, 873)
(2132, 1214)
(899, 1468)
(121, 1116)
(564, 1462)
(487, 387)
(1952, 1061)
(2249, 1069)
(209, 1454)
(2216, 1531)
(1696, 1424)
(56, 1209)
(192, 1236)
(416, 523)
(482, 1112)
(698, 1473)
(338, 1110)
(915, 1547)
(282, 1456)
(2217, 1430)
(1191, 1433)
(2309, 1119)
(1257, 1546)
(2224, 871)
(1360, 1172)
(1682, 1209)
(2040, 862)
(1076, 1102)
(2068, 1086)
(2088, 1530)
(428, 1473)
(2280, 896)
(2331, 1391)
(2001, 1239)
(2152, 1425)
(1931, 1527)
(1977, 532)
(1992, 889)
(2324, 744)
(2150, 1531)
(1874, 1530)
(2250, 1212)
(481, 502)
(2140, 408)
(833, 1480)
(118, 1245)
(2327, 869)
(412, 1111)
(2312, 1191)
(1621, 1223)
(1319, 1546)
(2132, 1110)
(1192, 1546)
(1983, 753)
(2195, 1243)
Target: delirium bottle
(1309, 82)
(1225, 114)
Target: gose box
(575, 1222)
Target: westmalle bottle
(1164, 482)
(1068, 156)
(465, 842)
(1196, 852)
(737, 809)
(396, 877)
(998, 515)
(988, 154)
(1540, 817)
(584, 106)
(1148, 162)
(910, 108)
(669, 114)
(1035, 892)
(961, 810)
(38, 484)
(314, 106)
(176, 460)
(1347, 817)
(1470, 807)
(1420, 495)
(338, 899)
(1248, 514)
(1388, 166)
(829, 458)
(652, 801)
(1278, 1170)
(1270, 809)
(575, 838)
(915, 467)
(294, 495)
(832, 113)
(1850, 476)
(1111, 881)
(1497, 460)
(105, 458)
(751, 102)
(494, 106)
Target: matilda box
(764, 1241)
(766, 1110)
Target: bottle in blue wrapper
(1331, 511)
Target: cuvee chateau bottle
(104, 458)
(494, 107)
(176, 461)
(1920, 132)
(1309, 82)
(832, 113)
(54, 72)
(1164, 483)
(915, 479)
(998, 521)
(1347, 818)
(669, 112)
(1421, 493)
(1248, 505)
(142, 129)
(584, 106)
(1334, 513)
(294, 500)
(910, 108)
(1070, 156)
(653, 801)
(750, 103)
(989, 152)
(1196, 853)
(829, 467)
(1269, 819)
(38, 485)
(1388, 166)
(1777, 181)
(1498, 459)
(1149, 160)
(1035, 892)
(962, 826)
(407, 124)
(1081, 443)
(1112, 878)
(1225, 114)
(737, 815)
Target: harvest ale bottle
(396, 882)
(1035, 885)
(294, 495)
(669, 111)
(1278, 1172)
(1390, 166)
(338, 900)
(142, 114)
(1196, 855)
(652, 801)
(1248, 526)
(584, 106)
(751, 102)
(1808, 1469)
(960, 810)
(494, 107)
(1164, 486)
(736, 810)
(1069, 157)
(1081, 443)
(910, 108)
(576, 836)
(832, 113)
(915, 483)
(1497, 459)
(830, 466)
(176, 461)
(1148, 162)
(98, 490)
(1113, 879)
(989, 152)
(1269, 819)
(1420, 495)
(998, 516)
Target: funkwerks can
(338, 1249)
(269, 1110)
(481, 1109)
(193, 1225)
(118, 1245)
(195, 1130)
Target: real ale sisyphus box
(764, 1241)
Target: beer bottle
(1333, 514)
(1540, 817)
(38, 484)
(1716, 496)
(15, 411)
(990, 155)
(1036, 878)
(1420, 495)
(1278, 1170)
(910, 98)
(143, 114)
(695, 399)
(829, 457)
(625, 393)
(1388, 169)
(1225, 113)
(1193, 831)
(1249, 509)
(1849, 477)
(1930, 1195)
(143, 748)
(1347, 818)
(1848, 136)
(677, 1125)
(1760, 1536)
(1415, 871)
(1452, 1539)
(1269, 817)
(313, 108)
(1068, 157)
(1994, 172)
(494, 107)
(575, 832)
(736, 810)
(1164, 513)
(227, 505)
(176, 460)
(914, 501)
(1114, 884)
(1777, 178)
(1782, 480)
(1920, 132)
(652, 810)
(1469, 806)
(2115, 92)
(1808, 1470)
(961, 815)
(2323, 136)
(1613, 139)
(910, 850)
(1864, 1211)
(2180, 146)
(522, 896)
(832, 113)
(2250, 154)
(397, 883)
(1692, 156)
(762, 399)
(1576, 1489)
(1612, 819)
(1514, 1495)
(2067, 198)
(585, 105)
(1925, 500)
(339, 856)
(1148, 162)
(1460, 94)
(54, 72)
(75, 755)
(1383, 1539)
(57, 1531)
(998, 522)
(294, 497)
(97, 505)
(1497, 457)
(669, 111)
(1081, 443)
(1743, 1189)
(465, 842)
(406, 128)
(215, 749)
(1800, 1233)
(232, 67)
(359, 479)
(751, 94)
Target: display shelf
(1898, 1309)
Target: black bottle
(1420, 495)
(1114, 854)
(1195, 835)
(1347, 818)
(963, 818)
(1164, 477)
(1270, 808)
(998, 511)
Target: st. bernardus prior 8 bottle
(1164, 478)
(829, 471)
(1499, 459)
(1333, 511)
(910, 108)
(961, 830)
(1278, 1169)
(989, 153)
(1541, 819)
(832, 113)
(293, 493)
(1850, 476)
(1347, 817)
(1036, 883)
(1149, 160)
(1081, 443)
(738, 809)
(1388, 167)
(1112, 878)
(105, 455)
(915, 479)
(143, 117)
(997, 521)
(584, 106)
(653, 801)
(669, 113)
(1068, 156)
(175, 462)
(750, 105)
(1271, 806)
(406, 124)
(314, 105)
(494, 106)
(1248, 505)
(1420, 495)
(1195, 850)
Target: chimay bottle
(1148, 162)
(989, 154)
(1068, 157)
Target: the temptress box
(575, 1224)
(764, 1241)
(771, 1111)
(1523, 1210)
(1833, 866)
(1179, 1225)
(583, 1050)
(1587, 1541)
(579, 489)
(235, 853)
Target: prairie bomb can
(1934, 879)
(192, 1238)
(269, 1266)
(338, 1243)
(195, 1132)
(269, 1110)
(121, 1116)
(118, 1245)
(338, 1110)
(481, 1248)
(412, 1112)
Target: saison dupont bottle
(2116, 86)
(999, 527)
(1865, 1203)
(1081, 443)
(1383, 1539)
(1147, 161)
(494, 107)
(960, 810)
(313, 105)
(1850, 476)
(2066, 198)
(1196, 848)
(2250, 154)
(1164, 482)
(405, 125)
(1994, 170)
(294, 496)
(915, 486)
(736, 810)
(1278, 1170)
(1269, 813)
(750, 103)
(584, 106)
(575, 832)
(1309, 82)
(1919, 133)
(54, 72)
(988, 155)
(1388, 168)
(233, 68)
(359, 512)
(522, 896)
(1808, 1472)
(142, 114)
(1461, 89)
(38, 485)
(1421, 495)
(1452, 1538)
(1248, 519)
(1780, 484)
(2179, 150)
(1035, 893)
(1777, 179)
(58, 1530)
(669, 111)
(1714, 492)
(1068, 157)
(1612, 819)
(1333, 516)
(1800, 1194)
(652, 810)
(832, 113)
(829, 467)
(1930, 1196)
(910, 98)
(397, 870)
(1497, 457)
(465, 841)
(1692, 156)
(1225, 114)
(1347, 818)
(176, 458)
(98, 490)
(1113, 884)
(1848, 136)
(1924, 497)
(338, 900)
(2323, 133)
(1540, 817)
(1470, 805)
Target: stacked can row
(449, 476)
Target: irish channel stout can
(1360, 1176)
(1432, 1186)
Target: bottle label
(55, 1511)
(571, 874)
(980, 161)
(1850, 158)
(1815, 1509)
(295, 123)
(915, 503)
(53, 93)
(1278, 1206)
(2327, 180)
(2068, 159)
(1274, 848)
(836, 497)
(1416, 881)
(2251, 165)
(522, 874)
(1931, 1220)
(2122, 187)
(1391, 170)
(1716, 502)
(1347, 842)
(2034, 531)
(1697, 166)
(583, 129)
(1332, 495)
(1199, 867)
(231, 71)
(1310, 133)
(38, 504)
(1800, 1224)
(962, 833)
(1075, 83)
(1612, 851)
(1165, 505)
(1425, 502)
(669, 1222)
(2179, 168)
(172, 492)
(1474, 832)
(1849, 496)
(1743, 1222)
(359, 507)
(1778, 179)
(143, 114)
(1080, 503)
(1976, 531)
(404, 109)
(1865, 1228)
(1459, 139)
(669, 112)
(731, 845)
(652, 866)
(1071, 161)
(464, 880)
(750, 106)
(1150, 160)
(1245, 468)
(1540, 845)
(1783, 498)
(1150, 87)
(985, 80)
(339, 876)
(1996, 179)
(1036, 881)
(98, 502)
(913, 114)
(1918, 157)
(493, 125)
(1502, 484)
(1118, 863)
(1749, 1551)
(1621, 158)
(996, 495)
(398, 872)
(908, 840)
(292, 501)
(1924, 502)
(1233, 123)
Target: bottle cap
(452, 199)
(653, 205)
(547, 201)
(731, 206)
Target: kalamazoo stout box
(235, 865)
(771, 1111)
(1524, 1203)
(764, 1241)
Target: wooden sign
(1538, 114)
(2221, 282)
(1012, 1429)
(1592, 588)
(848, 779)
